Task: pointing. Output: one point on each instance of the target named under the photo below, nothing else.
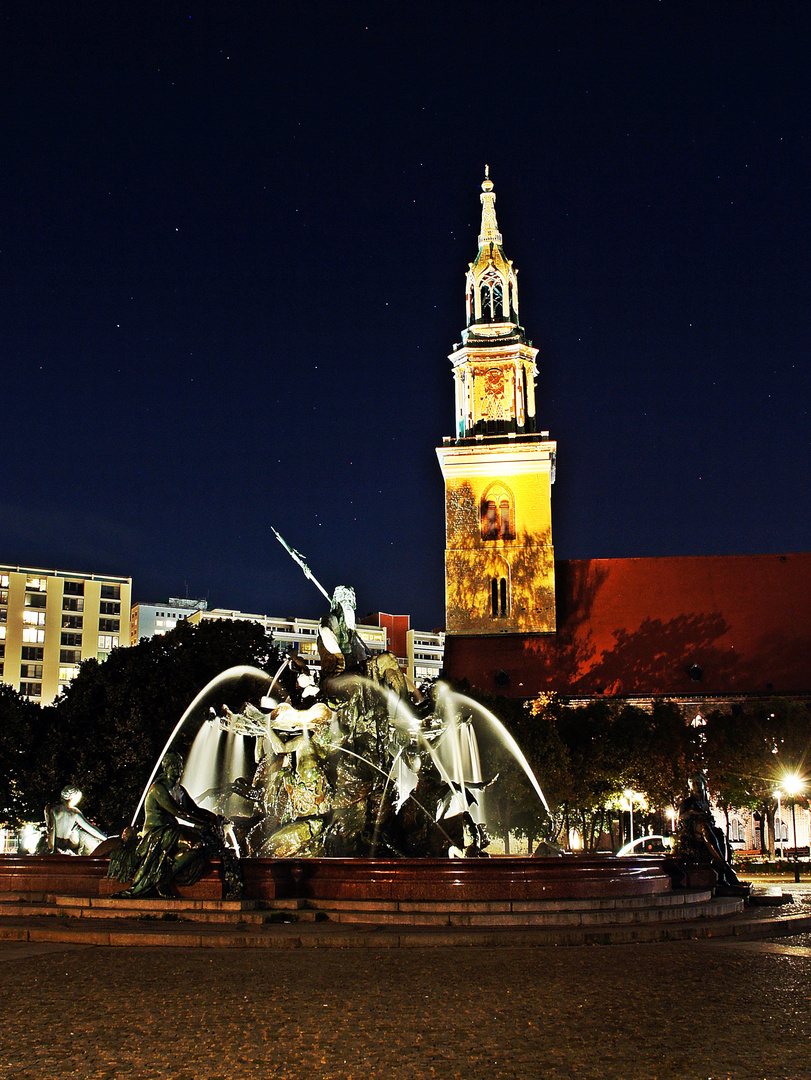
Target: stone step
(618, 917)
(673, 907)
(620, 903)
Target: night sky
(233, 245)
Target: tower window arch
(491, 293)
(498, 300)
(486, 298)
(498, 514)
(499, 598)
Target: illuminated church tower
(498, 469)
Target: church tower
(498, 469)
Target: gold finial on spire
(489, 233)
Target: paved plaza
(694, 1009)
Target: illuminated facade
(423, 651)
(154, 620)
(424, 655)
(51, 620)
(498, 468)
(297, 635)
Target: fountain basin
(568, 878)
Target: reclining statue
(68, 830)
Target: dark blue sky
(233, 251)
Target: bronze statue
(698, 838)
(170, 853)
(68, 830)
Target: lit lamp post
(629, 795)
(794, 786)
(778, 793)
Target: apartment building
(52, 620)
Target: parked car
(648, 845)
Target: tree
(748, 755)
(24, 777)
(115, 717)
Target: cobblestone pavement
(711, 1009)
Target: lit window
(2, 633)
(107, 642)
(67, 673)
(4, 581)
(490, 528)
(498, 514)
(31, 634)
(37, 584)
(33, 618)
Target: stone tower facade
(498, 469)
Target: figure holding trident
(340, 646)
(296, 556)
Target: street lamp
(779, 821)
(629, 795)
(794, 786)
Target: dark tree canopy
(105, 732)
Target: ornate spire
(491, 284)
(489, 233)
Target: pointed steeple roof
(491, 281)
(489, 231)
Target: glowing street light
(793, 786)
(629, 795)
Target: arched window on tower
(499, 599)
(498, 300)
(498, 514)
(492, 296)
(486, 297)
(513, 297)
(490, 522)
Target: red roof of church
(686, 627)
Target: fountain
(365, 774)
(358, 789)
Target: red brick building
(690, 628)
